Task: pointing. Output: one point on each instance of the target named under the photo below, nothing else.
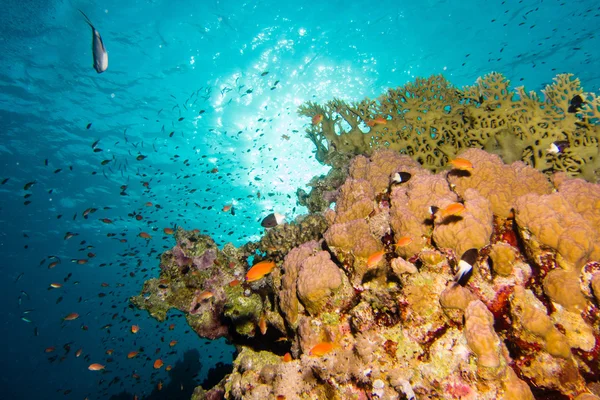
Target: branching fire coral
(432, 121)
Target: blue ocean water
(197, 110)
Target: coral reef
(433, 121)
(362, 301)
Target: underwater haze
(197, 113)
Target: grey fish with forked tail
(98, 49)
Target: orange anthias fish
(55, 285)
(404, 241)
(96, 367)
(168, 231)
(317, 118)
(375, 258)
(135, 328)
(226, 207)
(287, 357)
(71, 317)
(452, 209)
(145, 235)
(321, 349)
(205, 295)
(158, 363)
(259, 270)
(376, 121)
(132, 354)
(262, 324)
(461, 163)
(172, 343)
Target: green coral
(277, 242)
(432, 121)
(244, 311)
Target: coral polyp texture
(378, 296)
(432, 121)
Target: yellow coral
(503, 257)
(483, 340)
(562, 287)
(530, 314)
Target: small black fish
(88, 126)
(558, 147)
(272, 220)
(28, 185)
(400, 177)
(5, 180)
(576, 103)
(98, 49)
(465, 266)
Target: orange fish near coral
(96, 367)
(262, 324)
(404, 241)
(205, 295)
(158, 363)
(287, 357)
(375, 258)
(135, 328)
(452, 209)
(132, 354)
(321, 349)
(172, 343)
(461, 163)
(259, 270)
(168, 231)
(376, 121)
(317, 118)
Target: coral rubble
(363, 301)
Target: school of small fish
(129, 168)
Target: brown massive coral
(432, 121)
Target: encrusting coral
(365, 301)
